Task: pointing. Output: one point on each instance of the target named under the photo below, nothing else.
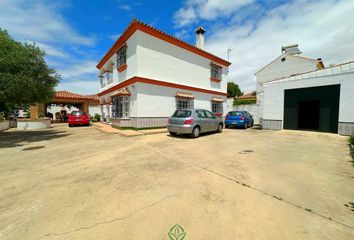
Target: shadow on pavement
(19, 138)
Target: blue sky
(76, 34)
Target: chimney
(200, 37)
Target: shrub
(351, 140)
(97, 117)
(244, 102)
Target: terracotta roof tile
(184, 95)
(217, 99)
(122, 92)
(70, 95)
(248, 95)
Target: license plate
(78, 119)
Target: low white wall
(253, 109)
(4, 125)
(28, 124)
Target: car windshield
(239, 114)
(78, 113)
(182, 114)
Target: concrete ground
(81, 183)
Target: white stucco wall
(253, 109)
(273, 104)
(279, 69)
(94, 110)
(55, 109)
(160, 101)
(132, 99)
(164, 61)
(29, 124)
(131, 70)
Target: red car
(78, 118)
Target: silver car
(194, 122)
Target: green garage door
(314, 108)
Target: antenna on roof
(228, 54)
(291, 49)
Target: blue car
(239, 119)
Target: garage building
(319, 100)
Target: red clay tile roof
(70, 95)
(248, 95)
(138, 25)
(94, 96)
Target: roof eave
(136, 25)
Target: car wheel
(245, 126)
(219, 128)
(173, 133)
(226, 126)
(70, 125)
(196, 132)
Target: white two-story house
(148, 74)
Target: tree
(25, 78)
(233, 90)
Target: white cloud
(80, 77)
(124, 7)
(81, 70)
(321, 28)
(52, 51)
(183, 34)
(206, 9)
(80, 87)
(114, 37)
(39, 21)
(185, 16)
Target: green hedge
(351, 139)
(244, 102)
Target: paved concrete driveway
(80, 183)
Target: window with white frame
(217, 107)
(120, 107)
(184, 103)
(122, 56)
(216, 71)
